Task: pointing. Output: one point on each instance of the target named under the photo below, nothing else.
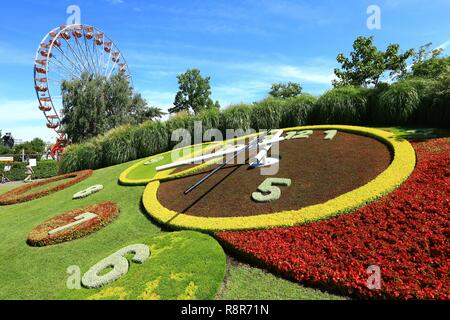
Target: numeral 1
(330, 134)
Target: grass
(6, 188)
(247, 283)
(182, 264)
(46, 186)
(418, 133)
(40, 273)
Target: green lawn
(244, 282)
(6, 188)
(186, 268)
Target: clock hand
(195, 185)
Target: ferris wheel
(65, 53)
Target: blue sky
(244, 46)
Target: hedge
(343, 105)
(44, 169)
(408, 102)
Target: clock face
(314, 166)
(296, 176)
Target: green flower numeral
(330, 134)
(268, 190)
(299, 134)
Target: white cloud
(24, 120)
(304, 74)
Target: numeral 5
(268, 190)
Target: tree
(284, 91)
(37, 145)
(367, 64)
(428, 63)
(93, 105)
(150, 113)
(194, 93)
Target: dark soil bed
(319, 169)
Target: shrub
(236, 117)
(151, 137)
(119, 146)
(267, 114)
(181, 120)
(297, 110)
(81, 156)
(397, 105)
(438, 113)
(44, 169)
(343, 105)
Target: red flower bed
(19, 194)
(406, 234)
(106, 212)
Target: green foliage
(44, 169)
(438, 110)
(367, 64)
(284, 91)
(5, 150)
(181, 120)
(267, 114)
(193, 94)
(343, 105)
(118, 145)
(397, 105)
(36, 145)
(432, 68)
(87, 155)
(93, 105)
(236, 117)
(297, 110)
(151, 137)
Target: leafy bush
(343, 105)
(397, 105)
(267, 114)
(118, 145)
(181, 120)
(438, 111)
(151, 137)
(236, 117)
(44, 169)
(87, 155)
(297, 110)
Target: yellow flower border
(402, 165)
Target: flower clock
(289, 177)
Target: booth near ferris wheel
(64, 54)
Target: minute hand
(195, 185)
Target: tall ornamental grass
(397, 105)
(343, 105)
